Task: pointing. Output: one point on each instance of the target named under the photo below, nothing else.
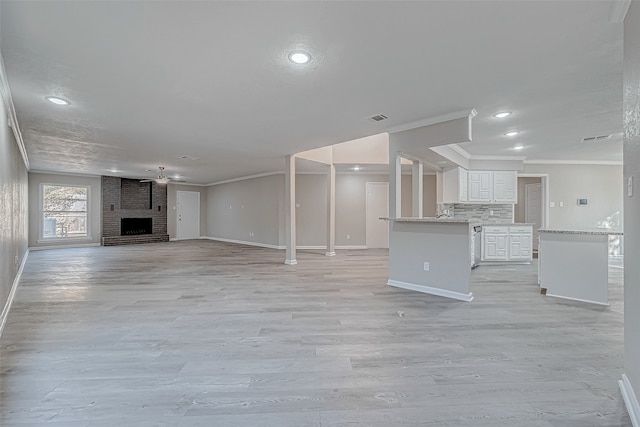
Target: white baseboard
(311, 247)
(352, 247)
(243, 242)
(79, 245)
(630, 400)
(578, 299)
(173, 239)
(290, 262)
(429, 290)
(12, 292)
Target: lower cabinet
(506, 243)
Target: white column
(416, 189)
(397, 172)
(331, 211)
(290, 210)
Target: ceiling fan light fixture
(56, 100)
(512, 133)
(502, 114)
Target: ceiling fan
(162, 178)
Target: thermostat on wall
(582, 202)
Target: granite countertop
(432, 219)
(593, 231)
(510, 224)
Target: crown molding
(433, 120)
(78, 174)
(244, 178)
(488, 157)
(573, 162)
(618, 11)
(464, 153)
(12, 119)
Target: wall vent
(379, 117)
(596, 138)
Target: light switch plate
(630, 186)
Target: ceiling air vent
(379, 118)
(596, 138)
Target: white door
(188, 206)
(377, 206)
(533, 208)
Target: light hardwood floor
(201, 333)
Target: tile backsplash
(484, 213)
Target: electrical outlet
(348, 236)
(561, 204)
(426, 266)
(552, 205)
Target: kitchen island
(431, 255)
(574, 264)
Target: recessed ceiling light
(518, 147)
(356, 168)
(502, 114)
(299, 57)
(114, 170)
(57, 101)
(512, 133)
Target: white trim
(86, 175)
(618, 11)
(489, 157)
(244, 178)
(290, 262)
(429, 290)
(630, 400)
(578, 299)
(12, 292)
(244, 242)
(311, 247)
(433, 120)
(82, 245)
(12, 118)
(187, 183)
(175, 239)
(455, 147)
(356, 247)
(330, 253)
(573, 162)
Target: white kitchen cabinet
(454, 185)
(505, 187)
(507, 243)
(495, 243)
(480, 186)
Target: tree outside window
(64, 210)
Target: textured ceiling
(150, 82)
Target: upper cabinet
(462, 186)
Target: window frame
(41, 215)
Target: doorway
(533, 209)
(377, 206)
(188, 215)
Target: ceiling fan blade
(147, 180)
(176, 180)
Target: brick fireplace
(133, 211)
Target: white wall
(632, 204)
(172, 195)
(236, 209)
(94, 205)
(600, 184)
(13, 209)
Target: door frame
(366, 210)
(178, 237)
(544, 180)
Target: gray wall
(236, 209)
(429, 195)
(351, 207)
(632, 204)
(519, 211)
(311, 210)
(95, 206)
(172, 194)
(600, 184)
(13, 208)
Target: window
(64, 211)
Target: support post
(290, 210)
(331, 211)
(416, 189)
